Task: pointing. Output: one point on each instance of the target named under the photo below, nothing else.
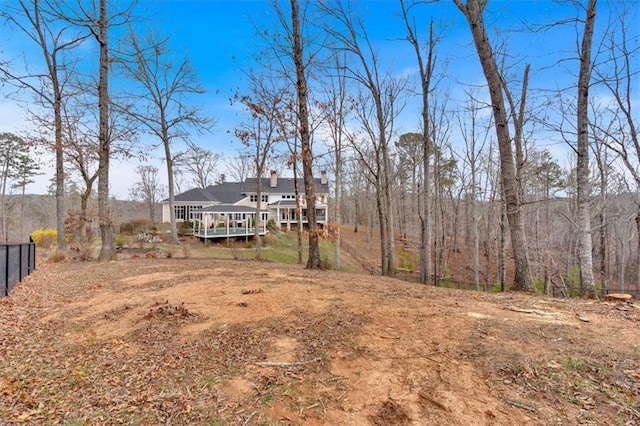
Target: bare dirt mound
(146, 341)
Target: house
(233, 204)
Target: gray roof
(232, 192)
(224, 193)
(227, 192)
(195, 195)
(283, 186)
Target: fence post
(20, 277)
(32, 246)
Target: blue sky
(219, 38)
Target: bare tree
(159, 107)
(99, 21)
(288, 57)
(314, 260)
(148, 188)
(101, 34)
(426, 67)
(201, 163)
(239, 167)
(376, 108)
(473, 11)
(582, 150)
(262, 133)
(81, 145)
(81, 152)
(618, 128)
(475, 136)
(336, 109)
(54, 39)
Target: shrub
(271, 225)
(185, 226)
(45, 238)
(122, 239)
(137, 226)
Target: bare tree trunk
(256, 224)
(389, 222)
(473, 12)
(602, 216)
(622, 265)
(487, 256)
(314, 261)
(299, 231)
(383, 228)
(585, 258)
(476, 241)
(402, 214)
(338, 204)
(108, 248)
(59, 148)
(84, 219)
(638, 251)
(357, 214)
(171, 187)
(502, 268)
(437, 219)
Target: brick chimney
(274, 179)
(323, 177)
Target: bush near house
(136, 226)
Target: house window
(183, 212)
(289, 197)
(254, 198)
(179, 212)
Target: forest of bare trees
(534, 184)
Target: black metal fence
(16, 262)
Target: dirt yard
(195, 341)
